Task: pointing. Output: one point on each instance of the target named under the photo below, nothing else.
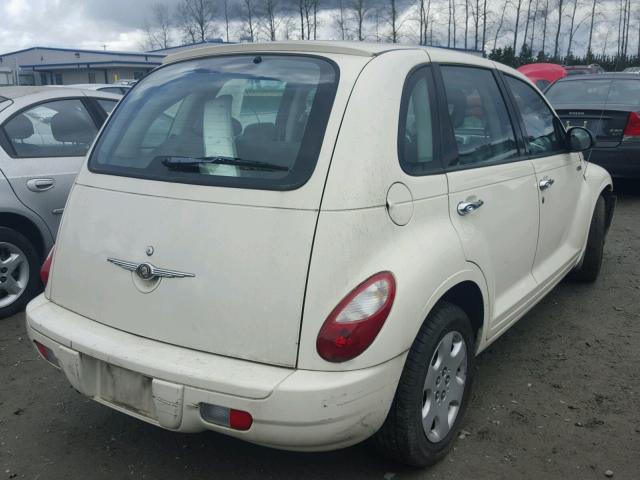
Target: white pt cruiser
(305, 244)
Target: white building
(65, 66)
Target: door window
(481, 124)
(541, 130)
(415, 142)
(61, 128)
(107, 105)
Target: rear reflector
(226, 417)
(47, 354)
(632, 129)
(46, 267)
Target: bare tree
(561, 6)
(360, 14)
(594, 4)
(270, 11)
(300, 6)
(484, 24)
(158, 30)
(449, 25)
(573, 27)
(526, 25)
(249, 20)
(545, 15)
(340, 21)
(515, 30)
(533, 25)
(466, 22)
(225, 5)
(500, 24)
(476, 24)
(196, 19)
(393, 21)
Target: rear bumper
(291, 409)
(621, 161)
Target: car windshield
(244, 121)
(594, 92)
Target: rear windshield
(240, 121)
(593, 92)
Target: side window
(61, 128)
(107, 105)
(481, 125)
(541, 131)
(415, 133)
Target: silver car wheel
(14, 273)
(444, 386)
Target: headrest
(260, 132)
(19, 128)
(457, 101)
(72, 126)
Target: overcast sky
(118, 24)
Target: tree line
(514, 31)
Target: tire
(402, 436)
(589, 268)
(19, 278)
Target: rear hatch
(195, 223)
(599, 104)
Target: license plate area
(126, 389)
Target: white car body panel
(270, 266)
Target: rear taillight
(632, 129)
(47, 353)
(46, 267)
(226, 417)
(355, 322)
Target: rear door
(212, 169)
(493, 200)
(47, 143)
(559, 177)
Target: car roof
(600, 76)
(16, 92)
(96, 86)
(354, 48)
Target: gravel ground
(558, 396)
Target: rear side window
(415, 139)
(595, 92)
(541, 130)
(107, 105)
(242, 121)
(61, 128)
(481, 125)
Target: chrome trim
(148, 271)
(465, 208)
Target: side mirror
(579, 139)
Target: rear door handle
(545, 183)
(465, 208)
(40, 184)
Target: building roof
(97, 52)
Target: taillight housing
(355, 322)
(46, 267)
(632, 129)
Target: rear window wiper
(189, 163)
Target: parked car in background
(44, 134)
(543, 74)
(257, 248)
(609, 106)
(583, 69)
(100, 87)
(631, 70)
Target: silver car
(44, 134)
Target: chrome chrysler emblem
(148, 271)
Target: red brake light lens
(355, 322)
(632, 129)
(46, 267)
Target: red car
(543, 74)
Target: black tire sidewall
(453, 319)
(9, 235)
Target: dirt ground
(557, 397)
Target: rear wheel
(19, 279)
(589, 268)
(433, 391)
